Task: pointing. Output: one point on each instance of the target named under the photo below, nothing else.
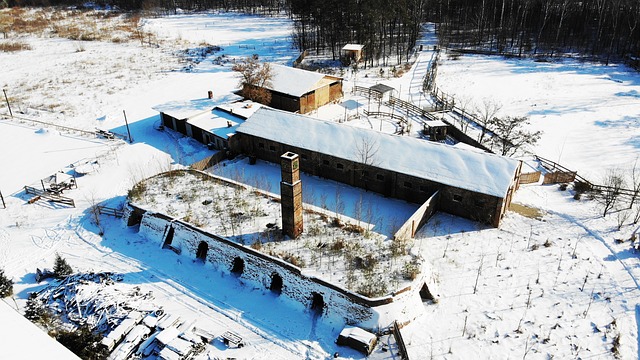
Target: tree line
(599, 28)
(602, 29)
(387, 29)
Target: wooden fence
(41, 194)
(103, 210)
(530, 178)
(402, 348)
(409, 107)
(365, 91)
(562, 173)
(386, 114)
(97, 134)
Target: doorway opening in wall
(168, 238)
(203, 248)
(425, 294)
(238, 266)
(317, 302)
(276, 283)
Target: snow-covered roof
(357, 334)
(167, 335)
(381, 88)
(185, 109)
(244, 109)
(21, 339)
(435, 123)
(295, 82)
(478, 172)
(353, 47)
(217, 122)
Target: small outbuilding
(175, 114)
(352, 53)
(381, 91)
(210, 121)
(358, 339)
(301, 91)
(436, 129)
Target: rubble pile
(132, 325)
(92, 299)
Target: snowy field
(560, 286)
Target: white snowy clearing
(558, 285)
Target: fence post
(2, 198)
(7, 100)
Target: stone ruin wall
(352, 308)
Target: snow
(292, 81)
(353, 47)
(187, 109)
(357, 334)
(15, 329)
(482, 173)
(217, 122)
(588, 113)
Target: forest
(602, 30)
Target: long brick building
(474, 185)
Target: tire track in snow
(602, 241)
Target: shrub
(61, 268)
(137, 191)
(580, 187)
(354, 229)
(411, 270)
(6, 285)
(338, 245)
(14, 46)
(37, 312)
(83, 343)
(257, 245)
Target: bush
(61, 269)
(410, 270)
(14, 46)
(6, 285)
(37, 312)
(83, 343)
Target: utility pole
(7, 100)
(127, 123)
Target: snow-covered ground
(569, 298)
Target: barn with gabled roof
(301, 91)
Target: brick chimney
(291, 195)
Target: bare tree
(255, 78)
(366, 153)
(511, 135)
(612, 183)
(367, 150)
(486, 113)
(635, 179)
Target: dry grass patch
(13, 46)
(82, 25)
(527, 211)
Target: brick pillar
(291, 195)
